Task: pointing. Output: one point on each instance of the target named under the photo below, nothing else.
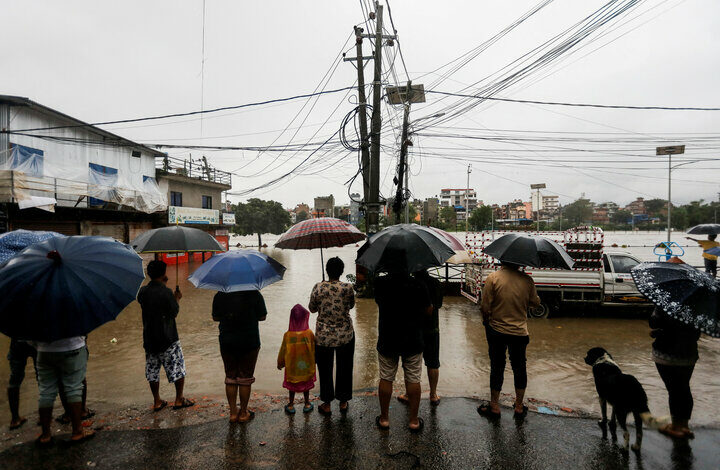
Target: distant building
(550, 204)
(429, 213)
(342, 213)
(601, 215)
(323, 206)
(636, 207)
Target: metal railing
(192, 168)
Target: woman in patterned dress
(334, 336)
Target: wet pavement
(455, 437)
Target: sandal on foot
(163, 404)
(186, 403)
(403, 399)
(670, 432)
(345, 410)
(421, 425)
(323, 411)
(44, 444)
(87, 435)
(308, 408)
(484, 410)
(434, 402)
(522, 414)
(382, 427)
(250, 418)
(288, 410)
(19, 423)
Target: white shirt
(61, 345)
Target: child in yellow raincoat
(297, 356)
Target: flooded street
(555, 356)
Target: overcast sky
(101, 61)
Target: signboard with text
(193, 215)
(228, 218)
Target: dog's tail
(654, 422)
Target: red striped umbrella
(324, 232)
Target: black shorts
(431, 351)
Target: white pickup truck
(600, 278)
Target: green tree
(679, 218)
(621, 217)
(259, 216)
(449, 218)
(300, 216)
(655, 207)
(578, 212)
(393, 220)
(480, 218)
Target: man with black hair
(710, 260)
(160, 337)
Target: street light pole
(467, 191)
(670, 151)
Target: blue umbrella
(12, 243)
(237, 270)
(67, 286)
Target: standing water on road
(556, 370)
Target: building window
(103, 181)
(176, 198)
(207, 202)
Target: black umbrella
(705, 229)
(175, 239)
(527, 250)
(682, 292)
(404, 247)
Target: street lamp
(670, 151)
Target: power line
(582, 105)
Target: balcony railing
(190, 168)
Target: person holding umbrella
(710, 260)
(238, 306)
(332, 300)
(160, 336)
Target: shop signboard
(228, 218)
(193, 215)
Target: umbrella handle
(322, 261)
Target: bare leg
(384, 395)
(433, 377)
(519, 397)
(45, 420)
(231, 391)
(76, 413)
(306, 396)
(155, 389)
(495, 401)
(414, 392)
(14, 402)
(244, 391)
(179, 386)
(291, 401)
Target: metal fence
(192, 168)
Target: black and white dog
(624, 393)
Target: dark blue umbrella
(682, 292)
(237, 270)
(529, 250)
(12, 243)
(67, 286)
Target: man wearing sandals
(506, 297)
(403, 302)
(160, 337)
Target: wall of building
(192, 190)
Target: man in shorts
(160, 337)
(18, 355)
(431, 335)
(403, 302)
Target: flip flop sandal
(186, 403)
(288, 410)
(403, 399)
(521, 415)
(45, 444)
(380, 426)
(345, 410)
(20, 423)
(309, 408)
(163, 404)
(484, 410)
(420, 427)
(252, 416)
(323, 411)
(86, 437)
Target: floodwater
(556, 369)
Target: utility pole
(402, 167)
(373, 203)
(467, 192)
(670, 151)
(362, 111)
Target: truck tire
(543, 311)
